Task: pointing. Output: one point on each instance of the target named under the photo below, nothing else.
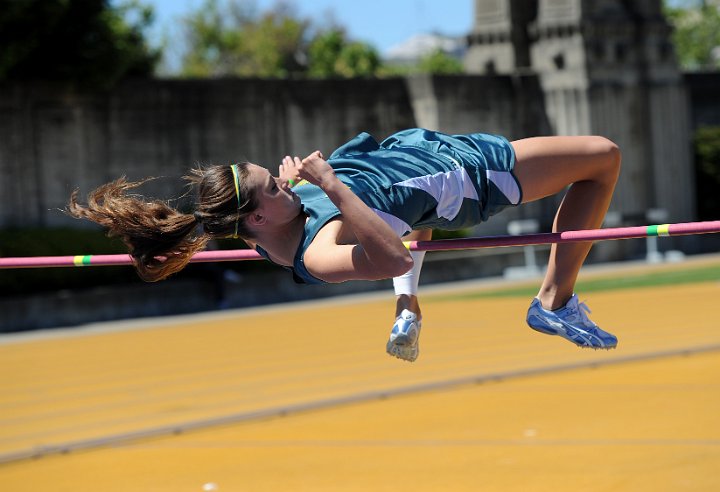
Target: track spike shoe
(405, 336)
(570, 322)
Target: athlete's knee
(615, 158)
(611, 157)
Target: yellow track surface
(304, 398)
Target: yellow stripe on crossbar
(81, 260)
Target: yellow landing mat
(308, 400)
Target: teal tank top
(415, 179)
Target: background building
(605, 67)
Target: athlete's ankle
(553, 301)
(409, 302)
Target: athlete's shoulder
(362, 143)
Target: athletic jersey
(415, 179)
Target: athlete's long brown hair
(160, 238)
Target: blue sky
(382, 23)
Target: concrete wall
(53, 140)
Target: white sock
(407, 283)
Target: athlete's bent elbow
(402, 265)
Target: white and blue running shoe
(570, 322)
(405, 337)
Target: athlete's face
(276, 203)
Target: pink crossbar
(687, 228)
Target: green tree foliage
(707, 164)
(696, 35)
(439, 62)
(330, 54)
(323, 53)
(230, 38)
(436, 62)
(87, 42)
(358, 60)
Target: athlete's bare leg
(590, 166)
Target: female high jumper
(343, 218)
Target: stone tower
(606, 67)
(499, 40)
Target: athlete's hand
(315, 169)
(288, 173)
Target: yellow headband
(237, 194)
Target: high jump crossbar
(680, 229)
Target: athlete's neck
(282, 242)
